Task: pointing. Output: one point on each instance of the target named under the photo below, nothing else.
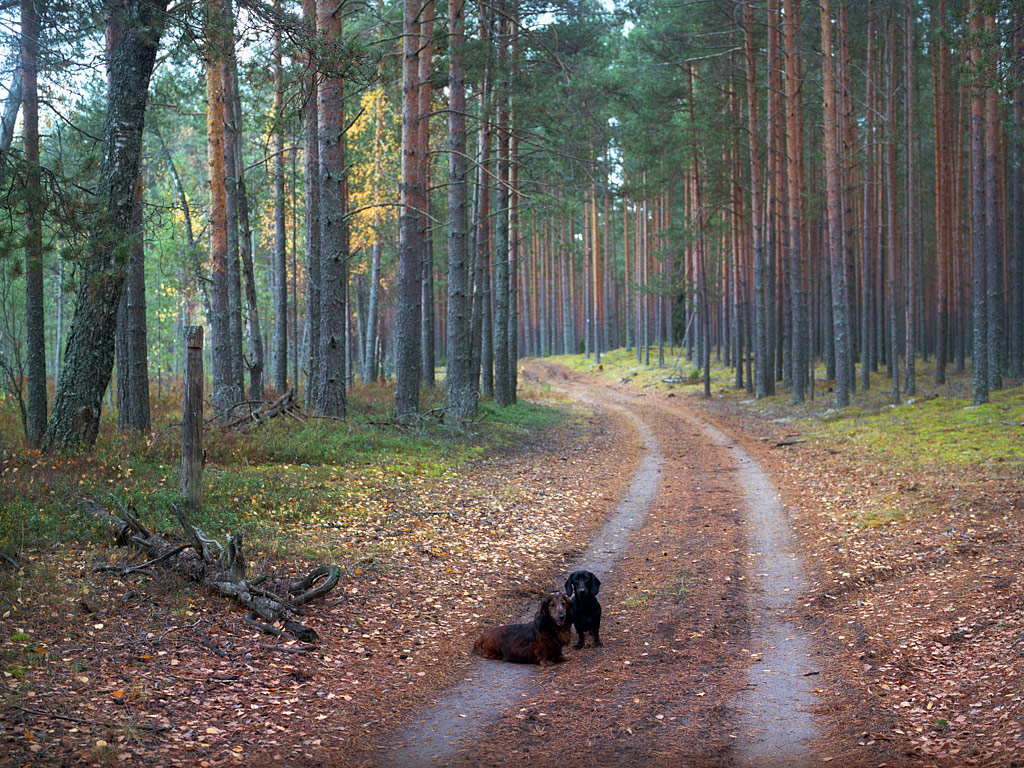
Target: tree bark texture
(502, 395)
(220, 321)
(131, 346)
(333, 227)
(840, 316)
(280, 244)
(89, 354)
(312, 204)
(35, 318)
(428, 361)
(760, 331)
(994, 236)
(410, 249)
(462, 394)
(795, 179)
(979, 225)
(232, 154)
(192, 421)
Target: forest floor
(914, 604)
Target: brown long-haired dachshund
(539, 642)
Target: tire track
(435, 733)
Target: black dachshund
(582, 587)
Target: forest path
(434, 735)
(701, 664)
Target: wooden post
(192, 421)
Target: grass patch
(937, 427)
(877, 517)
(273, 483)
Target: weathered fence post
(192, 420)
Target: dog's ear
(542, 609)
(568, 586)
(597, 584)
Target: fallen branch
(273, 609)
(101, 723)
(289, 648)
(284, 404)
(125, 570)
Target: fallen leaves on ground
(107, 671)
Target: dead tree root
(221, 569)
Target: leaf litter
(145, 669)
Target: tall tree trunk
(891, 249)
(993, 239)
(628, 297)
(943, 187)
(840, 314)
(462, 395)
(775, 203)
(482, 223)
(280, 260)
(90, 346)
(372, 324)
(848, 176)
(245, 255)
(370, 364)
(232, 141)
(312, 204)
(502, 396)
(220, 325)
(35, 317)
(564, 281)
(1016, 356)
(513, 218)
(131, 347)
(869, 213)
(794, 176)
(427, 315)
(979, 222)
(762, 373)
(909, 249)
(410, 255)
(333, 226)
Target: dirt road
(702, 664)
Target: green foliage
(942, 430)
(273, 484)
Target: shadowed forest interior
(428, 192)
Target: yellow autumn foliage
(373, 179)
